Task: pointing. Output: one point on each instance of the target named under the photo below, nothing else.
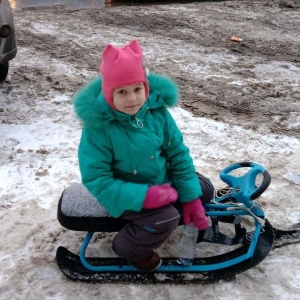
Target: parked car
(8, 47)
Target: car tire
(3, 71)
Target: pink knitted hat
(121, 67)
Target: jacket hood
(91, 107)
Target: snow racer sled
(235, 212)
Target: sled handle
(244, 188)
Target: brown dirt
(254, 83)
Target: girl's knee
(207, 189)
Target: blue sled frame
(236, 205)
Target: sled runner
(233, 209)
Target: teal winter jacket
(121, 155)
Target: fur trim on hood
(92, 109)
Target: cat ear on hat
(135, 46)
(110, 52)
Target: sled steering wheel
(244, 188)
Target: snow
(32, 180)
(38, 154)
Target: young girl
(132, 157)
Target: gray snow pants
(149, 228)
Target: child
(132, 157)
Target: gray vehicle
(8, 47)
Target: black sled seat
(78, 210)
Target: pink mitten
(193, 212)
(160, 195)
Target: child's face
(130, 98)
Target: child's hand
(193, 212)
(160, 195)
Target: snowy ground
(59, 50)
